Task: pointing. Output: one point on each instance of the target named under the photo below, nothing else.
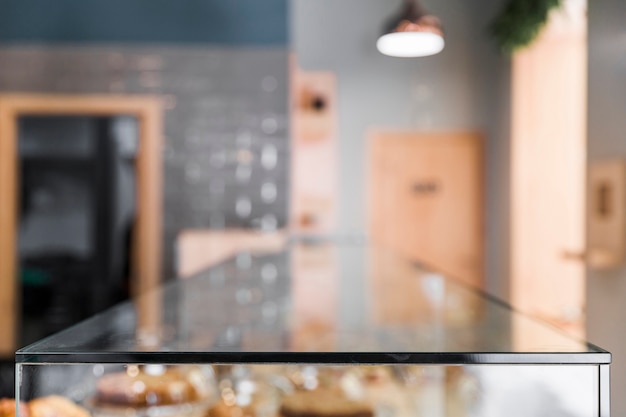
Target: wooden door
(426, 199)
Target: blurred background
(145, 141)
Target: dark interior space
(76, 213)
(76, 217)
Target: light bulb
(410, 44)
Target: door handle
(425, 187)
(595, 258)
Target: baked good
(51, 406)
(221, 409)
(323, 403)
(376, 374)
(7, 408)
(143, 389)
(55, 406)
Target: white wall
(606, 291)
(464, 87)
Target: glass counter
(317, 330)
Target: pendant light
(412, 33)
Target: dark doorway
(77, 207)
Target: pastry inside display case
(290, 390)
(49, 406)
(150, 390)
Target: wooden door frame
(146, 245)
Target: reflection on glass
(354, 305)
(387, 309)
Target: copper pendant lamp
(412, 33)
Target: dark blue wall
(231, 22)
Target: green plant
(520, 21)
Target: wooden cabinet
(425, 199)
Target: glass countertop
(314, 303)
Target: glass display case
(316, 330)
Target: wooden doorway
(426, 199)
(146, 245)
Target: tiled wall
(225, 157)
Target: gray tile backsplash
(226, 147)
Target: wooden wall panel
(314, 154)
(548, 159)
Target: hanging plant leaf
(520, 22)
